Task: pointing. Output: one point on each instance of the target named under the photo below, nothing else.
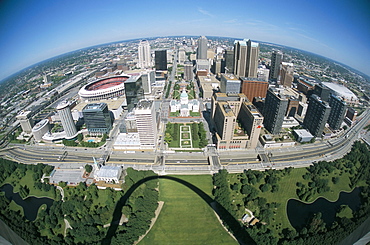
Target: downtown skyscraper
(202, 48)
(276, 59)
(246, 55)
(145, 59)
(161, 60)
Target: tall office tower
(67, 120)
(251, 120)
(276, 59)
(316, 116)
(229, 84)
(202, 48)
(229, 134)
(182, 55)
(202, 67)
(216, 66)
(252, 59)
(47, 78)
(263, 73)
(229, 61)
(146, 123)
(286, 74)
(26, 122)
(322, 91)
(147, 79)
(225, 120)
(240, 57)
(253, 87)
(145, 59)
(246, 55)
(274, 110)
(234, 100)
(188, 71)
(40, 129)
(169, 56)
(337, 113)
(161, 60)
(134, 91)
(97, 118)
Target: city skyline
(34, 31)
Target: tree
(88, 168)
(264, 187)
(168, 138)
(335, 180)
(62, 184)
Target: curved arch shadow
(238, 230)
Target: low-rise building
(302, 135)
(108, 174)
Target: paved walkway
(213, 204)
(157, 211)
(61, 192)
(67, 226)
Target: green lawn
(176, 95)
(185, 218)
(195, 114)
(287, 190)
(27, 180)
(185, 143)
(174, 114)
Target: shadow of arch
(238, 230)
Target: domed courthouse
(184, 105)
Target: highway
(196, 163)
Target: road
(197, 163)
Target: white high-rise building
(182, 56)
(26, 122)
(145, 58)
(67, 120)
(146, 123)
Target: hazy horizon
(35, 31)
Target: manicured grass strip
(185, 218)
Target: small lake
(299, 213)
(30, 205)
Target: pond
(299, 213)
(30, 205)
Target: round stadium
(104, 88)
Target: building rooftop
(226, 109)
(303, 133)
(229, 77)
(241, 42)
(208, 79)
(62, 105)
(252, 79)
(24, 114)
(94, 106)
(144, 105)
(341, 90)
(108, 172)
(113, 104)
(40, 124)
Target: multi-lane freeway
(234, 161)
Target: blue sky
(34, 30)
